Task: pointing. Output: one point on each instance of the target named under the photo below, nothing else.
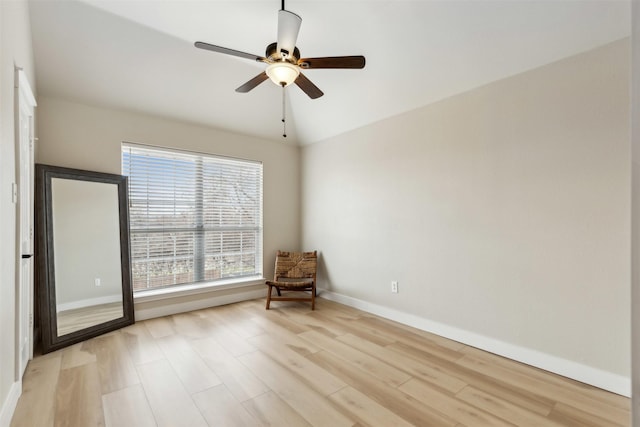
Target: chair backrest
(296, 265)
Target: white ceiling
(139, 55)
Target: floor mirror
(83, 279)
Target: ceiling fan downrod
(284, 62)
(284, 123)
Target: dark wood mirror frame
(45, 257)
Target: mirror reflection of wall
(87, 253)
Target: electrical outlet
(97, 281)
(394, 287)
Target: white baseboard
(596, 377)
(9, 405)
(168, 308)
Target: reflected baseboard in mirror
(82, 255)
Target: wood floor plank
(277, 317)
(569, 416)
(76, 355)
(340, 310)
(187, 364)
(317, 378)
(409, 408)
(241, 382)
(38, 391)
(313, 320)
(408, 343)
(160, 326)
(235, 319)
(79, 397)
(270, 410)
(370, 364)
(422, 370)
(127, 407)
(170, 403)
(142, 347)
(366, 410)
(313, 407)
(220, 408)
(495, 386)
(587, 404)
(351, 326)
(573, 386)
(456, 409)
(286, 336)
(226, 337)
(114, 363)
(404, 331)
(191, 325)
(503, 409)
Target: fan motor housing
(273, 55)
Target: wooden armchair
(295, 271)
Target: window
(193, 217)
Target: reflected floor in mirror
(241, 365)
(81, 318)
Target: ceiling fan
(284, 61)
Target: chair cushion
(291, 284)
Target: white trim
(72, 305)
(596, 377)
(196, 288)
(24, 109)
(168, 309)
(25, 88)
(183, 151)
(9, 405)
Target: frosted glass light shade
(283, 73)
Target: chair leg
(269, 297)
(313, 298)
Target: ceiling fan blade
(288, 28)
(253, 83)
(307, 87)
(227, 51)
(333, 62)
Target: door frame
(24, 109)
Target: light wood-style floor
(240, 365)
(80, 318)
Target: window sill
(194, 289)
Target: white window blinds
(193, 217)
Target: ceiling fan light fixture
(283, 59)
(283, 73)
(288, 28)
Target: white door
(24, 150)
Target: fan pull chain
(284, 123)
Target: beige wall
(635, 214)
(15, 50)
(84, 137)
(86, 227)
(502, 212)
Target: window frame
(200, 283)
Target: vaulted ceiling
(138, 55)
